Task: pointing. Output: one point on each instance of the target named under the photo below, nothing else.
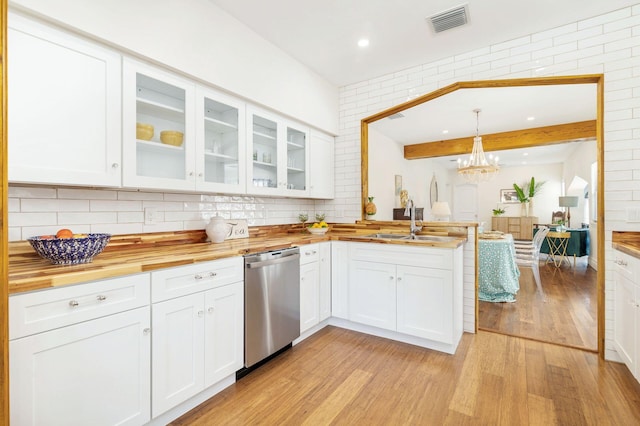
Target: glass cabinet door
(163, 135)
(220, 154)
(264, 164)
(296, 159)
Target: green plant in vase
(320, 217)
(498, 212)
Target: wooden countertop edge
(628, 248)
(38, 274)
(627, 242)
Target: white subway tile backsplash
(87, 194)
(53, 205)
(139, 195)
(86, 218)
(33, 219)
(115, 206)
(31, 192)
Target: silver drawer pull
(200, 314)
(213, 274)
(73, 303)
(210, 310)
(146, 331)
(102, 297)
(198, 277)
(621, 262)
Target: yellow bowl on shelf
(171, 137)
(144, 131)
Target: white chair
(528, 254)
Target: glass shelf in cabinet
(294, 169)
(294, 145)
(152, 146)
(264, 135)
(263, 164)
(219, 126)
(157, 110)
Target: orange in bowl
(64, 233)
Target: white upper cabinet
(165, 102)
(321, 173)
(220, 136)
(64, 115)
(277, 153)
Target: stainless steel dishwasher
(271, 303)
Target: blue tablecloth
(498, 273)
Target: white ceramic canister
(216, 229)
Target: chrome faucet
(410, 210)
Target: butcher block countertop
(131, 254)
(627, 242)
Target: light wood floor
(564, 312)
(346, 378)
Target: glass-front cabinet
(158, 129)
(179, 135)
(220, 154)
(277, 155)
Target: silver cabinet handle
(210, 310)
(115, 165)
(73, 303)
(146, 331)
(198, 277)
(621, 262)
(213, 274)
(102, 297)
(391, 277)
(200, 314)
(399, 278)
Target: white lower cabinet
(315, 284)
(422, 296)
(197, 341)
(372, 294)
(416, 291)
(627, 311)
(94, 371)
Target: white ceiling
(323, 34)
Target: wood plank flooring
(342, 377)
(564, 312)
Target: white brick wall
(43, 210)
(608, 44)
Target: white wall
(386, 159)
(607, 44)
(201, 40)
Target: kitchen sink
(432, 238)
(438, 238)
(389, 236)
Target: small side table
(558, 247)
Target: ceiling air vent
(449, 19)
(395, 116)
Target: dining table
(498, 275)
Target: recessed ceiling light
(444, 132)
(363, 42)
(525, 154)
(524, 162)
(531, 118)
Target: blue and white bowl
(70, 251)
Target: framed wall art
(509, 196)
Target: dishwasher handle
(252, 265)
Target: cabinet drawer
(625, 264)
(309, 253)
(427, 257)
(180, 281)
(44, 310)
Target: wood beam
(548, 135)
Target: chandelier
(477, 169)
